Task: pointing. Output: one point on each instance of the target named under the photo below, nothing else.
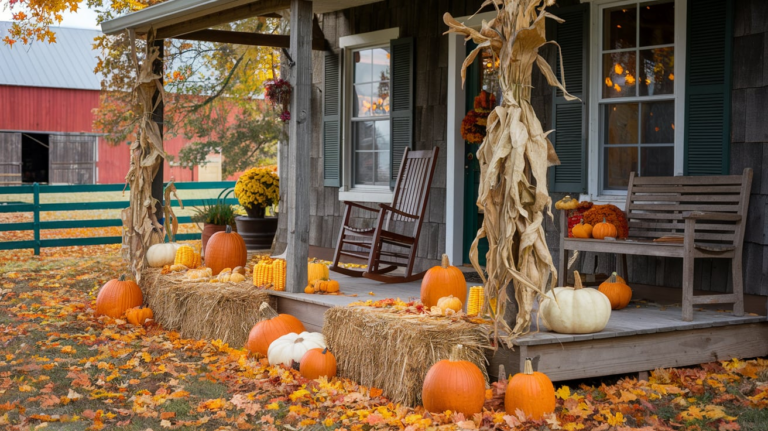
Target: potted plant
(257, 189)
(215, 217)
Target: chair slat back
(413, 183)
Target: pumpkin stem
(577, 281)
(456, 353)
(122, 277)
(325, 351)
(266, 312)
(229, 229)
(604, 219)
(298, 340)
(612, 279)
(445, 262)
(528, 369)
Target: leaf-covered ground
(62, 368)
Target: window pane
(364, 168)
(380, 104)
(658, 123)
(657, 161)
(657, 71)
(362, 100)
(620, 123)
(382, 135)
(657, 23)
(382, 168)
(362, 135)
(619, 77)
(363, 66)
(619, 162)
(619, 27)
(380, 59)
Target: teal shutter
(400, 102)
(569, 119)
(708, 88)
(332, 121)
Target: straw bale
(393, 352)
(223, 311)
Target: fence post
(36, 191)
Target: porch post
(157, 117)
(299, 143)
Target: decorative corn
(270, 272)
(185, 255)
(278, 274)
(475, 302)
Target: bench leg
(738, 285)
(562, 271)
(688, 271)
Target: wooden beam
(299, 144)
(158, 115)
(235, 14)
(252, 39)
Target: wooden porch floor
(642, 337)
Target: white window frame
(595, 190)
(348, 44)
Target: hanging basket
(278, 94)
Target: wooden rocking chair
(408, 204)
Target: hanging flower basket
(278, 94)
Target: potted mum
(257, 189)
(215, 217)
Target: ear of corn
(270, 273)
(185, 255)
(475, 302)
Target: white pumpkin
(576, 311)
(291, 347)
(159, 255)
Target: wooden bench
(704, 216)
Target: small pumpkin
(225, 250)
(317, 271)
(271, 327)
(224, 275)
(604, 230)
(309, 289)
(332, 286)
(582, 230)
(292, 347)
(236, 277)
(139, 315)
(160, 255)
(567, 203)
(116, 296)
(617, 291)
(443, 280)
(529, 391)
(238, 270)
(576, 310)
(449, 302)
(454, 384)
(318, 363)
(185, 255)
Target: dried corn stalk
(514, 158)
(141, 226)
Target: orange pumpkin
(617, 291)
(225, 250)
(441, 281)
(455, 385)
(309, 289)
(582, 230)
(529, 391)
(116, 296)
(449, 302)
(318, 363)
(271, 327)
(604, 230)
(139, 315)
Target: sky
(83, 18)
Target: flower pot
(208, 231)
(255, 212)
(257, 232)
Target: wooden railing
(36, 208)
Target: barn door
(10, 158)
(72, 159)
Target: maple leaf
(614, 420)
(564, 392)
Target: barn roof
(68, 63)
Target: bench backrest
(655, 205)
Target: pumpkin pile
(270, 273)
(322, 285)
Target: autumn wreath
(474, 123)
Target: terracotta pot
(210, 229)
(257, 232)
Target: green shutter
(400, 102)
(569, 119)
(708, 87)
(332, 121)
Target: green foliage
(216, 212)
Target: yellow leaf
(563, 393)
(618, 419)
(273, 406)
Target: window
(637, 100)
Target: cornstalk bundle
(514, 158)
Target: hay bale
(214, 311)
(393, 352)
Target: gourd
(292, 347)
(567, 203)
(582, 230)
(309, 289)
(236, 277)
(185, 255)
(529, 391)
(449, 302)
(617, 291)
(270, 328)
(443, 280)
(139, 315)
(116, 296)
(604, 229)
(160, 255)
(455, 385)
(576, 310)
(318, 363)
(317, 271)
(225, 250)
(329, 286)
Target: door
(73, 159)
(10, 159)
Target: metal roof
(67, 63)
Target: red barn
(47, 96)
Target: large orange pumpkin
(270, 328)
(617, 291)
(441, 281)
(117, 296)
(225, 250)
(529, 391)
(317, 363)
(455, 385)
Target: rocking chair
(408, 204)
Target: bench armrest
(700, 215)
(362, 207)
(396, 211)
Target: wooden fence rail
(36, 208)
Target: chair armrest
(396, 211)
(700, 215)
(362, 207)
